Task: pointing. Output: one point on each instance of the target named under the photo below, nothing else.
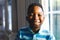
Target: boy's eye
(39, 15)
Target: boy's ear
(43, 18)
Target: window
(7, 15)
(10, 14)
(52, 9)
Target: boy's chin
(36, 25)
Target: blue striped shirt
(28, 34)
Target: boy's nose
(36, 17)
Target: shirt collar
(33, 32)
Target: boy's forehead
(37, 9)
(34, 8)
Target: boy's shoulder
(25, 28)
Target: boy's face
(36, 17)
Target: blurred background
(13, 13)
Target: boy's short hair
(30, 7)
